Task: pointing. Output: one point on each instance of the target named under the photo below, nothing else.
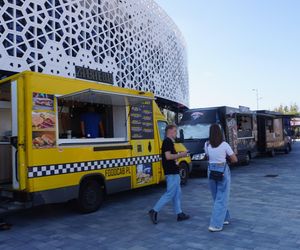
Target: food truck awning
(266, 115)
(243, 113)
(105, 97)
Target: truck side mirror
(181, 136)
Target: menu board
(43, 121)
(141, 121)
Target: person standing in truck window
(91, 124)
(217, 151)
(171, 170)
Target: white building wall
(134, 39)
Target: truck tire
(184, 173)
(91, 196)
(247, 159)
(272, 153)
(287, 149)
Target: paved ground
(265, 211)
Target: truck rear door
(11, 147)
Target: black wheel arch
(95, 177)
(184, 163)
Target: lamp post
(257, 98)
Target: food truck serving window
(95, 117)
(245, 126)
(269, 125)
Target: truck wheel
(91, 196)
(184, 173)
(272, 153)
(287, 149)
(247, 159)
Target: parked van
(272, 136)
(46, 157)
(238, 124)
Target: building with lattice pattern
(133, 39)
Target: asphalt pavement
(264, 204)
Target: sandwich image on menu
(43, 121)
(43, 139)
(43, 101)
(43, 127)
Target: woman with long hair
(217, 151)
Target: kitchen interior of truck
(114, 109)
(111, 108)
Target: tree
(293, 109)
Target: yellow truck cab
(44, 157)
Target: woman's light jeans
(220, 191)
(173, 194)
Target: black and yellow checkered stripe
(77, 167)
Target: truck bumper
(199, 165)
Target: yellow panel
(31, 159)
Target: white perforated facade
(134, 39)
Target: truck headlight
(198, 157)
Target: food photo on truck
(238, 125)
(67, 139)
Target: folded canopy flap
(266, 115)
(244, 113)
(105, 97)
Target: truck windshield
(195, 131)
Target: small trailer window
(269, 126)
(94, 117)
(245, 126)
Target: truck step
(6, 194)
(8, 205)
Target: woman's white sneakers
(214, 229)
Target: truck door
(9, 171)
(144, 150)
(232, 137)
(279, 132)
(161, 128)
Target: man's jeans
(173, 193)
(220, 191)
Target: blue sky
(235, 46)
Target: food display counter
(89, 141)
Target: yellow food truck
(45, 157)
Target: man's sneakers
(153, 216)
(182, 217)
(215, 229)
(226, 222)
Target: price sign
(141, 121)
